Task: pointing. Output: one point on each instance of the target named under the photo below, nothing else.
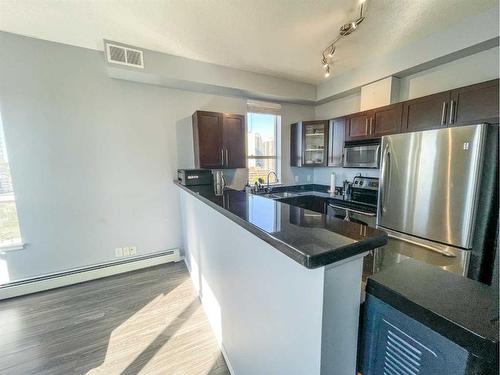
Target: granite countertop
(463, 310)
(320, 191)
(310, 238)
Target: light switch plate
(126, 251)
(118, 252)
(133, 250)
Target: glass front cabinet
(309, 144)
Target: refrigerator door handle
(383, 183)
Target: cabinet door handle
(443, 114)
(371, 125)
(452, 112)
(222, 156)
(366, 126)
(227, 158)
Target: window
(10, 234)
(263, 149)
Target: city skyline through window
(262, 146)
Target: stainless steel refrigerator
(428, 194)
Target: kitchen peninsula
(280, 284)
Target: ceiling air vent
(124, 56)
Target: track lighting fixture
(345, 30)
(324, 62)
(332, 51)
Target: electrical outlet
(296, 178)
(118, 252)
(308, 178)
(126, 251)
(133, 250)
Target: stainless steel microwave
(362, 156)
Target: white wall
(339, 107)
(322, 175)
(93, 158)
(480, 67)
(182, 73)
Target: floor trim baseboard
(80, 275)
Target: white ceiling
(283, 38)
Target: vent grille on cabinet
(400, 356)
(117, 54)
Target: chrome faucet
(275, 175)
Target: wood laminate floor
(143, 322)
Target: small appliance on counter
(190, 177)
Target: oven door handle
(370, 214)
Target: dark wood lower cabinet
(428, 112)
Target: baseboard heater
(79, 275)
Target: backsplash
(322, 175)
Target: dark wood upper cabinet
(474, 104)
(219, 140)
(386, 120)
(374, 123)
(315, 143)
(357, 126)
(207, 133)
(309, 144)
(296, 145)
(336, 142)
(428, 112)
(234, 141)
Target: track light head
(348, 28)
(331, 52)
(327, 72)
(324, 62)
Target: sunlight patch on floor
(172, 328)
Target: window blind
(255, 106)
